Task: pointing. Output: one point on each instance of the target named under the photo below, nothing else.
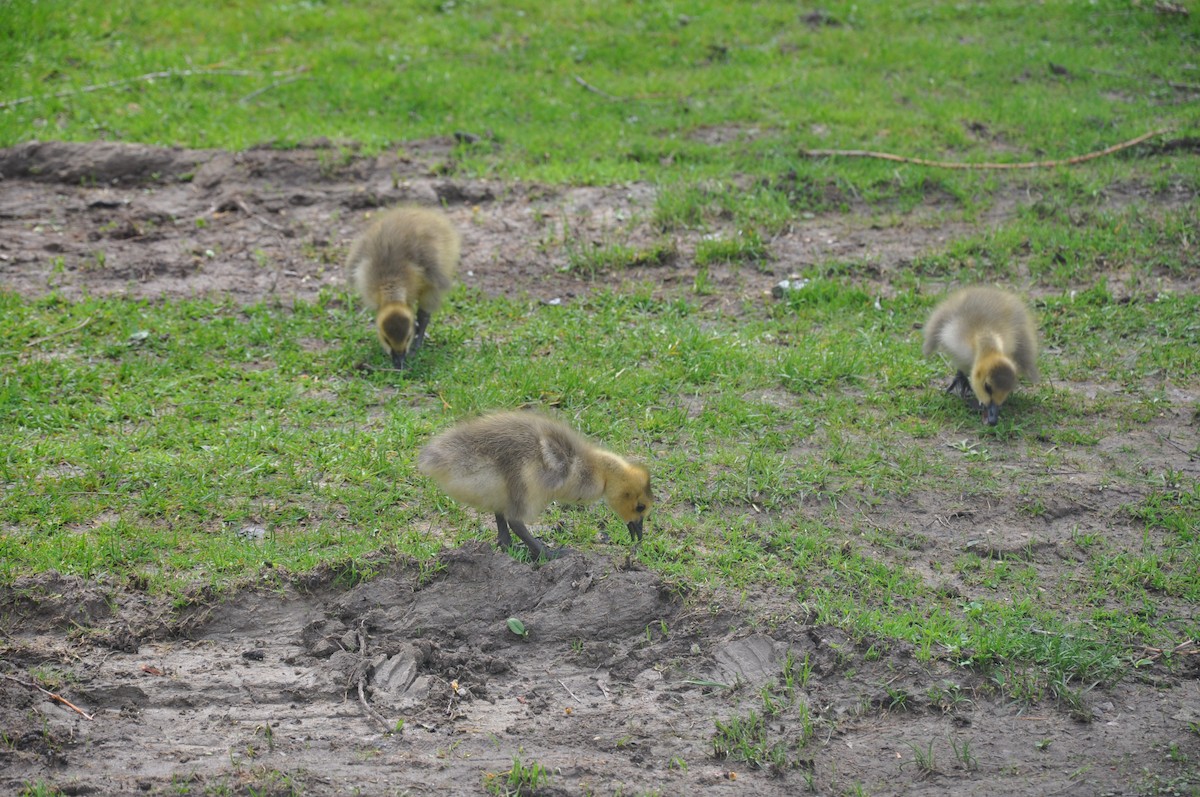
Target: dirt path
(107, 219)
(618, 686)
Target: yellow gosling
(514, 464)
(989, 335)
(402, 267)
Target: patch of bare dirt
(107, 218)
(616, 688)
(621, 681)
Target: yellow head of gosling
(992, 379)
(628, 493)
(396, 326)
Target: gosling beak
(398, 358)
(993, 414)
(635, 529)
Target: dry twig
(635, 98)
(55, 697)
(1186, 648)
(241, 203)
(569, 692)
(862, 153)
(274, 85)
(361, 669)
(36, 341)
(595, 90)
(149, 76)
(1177, 447)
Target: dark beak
(993, 414)
(635, 529)
(398, 358)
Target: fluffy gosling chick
(404, 261)
(515, 463)
(990, 337)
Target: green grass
(140, 440)
(684, 94)
(590, 259)
(742, 247)
(141, 445)
(1069, 245)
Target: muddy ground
(288, 687)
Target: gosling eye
(988, 388)
(640, 508)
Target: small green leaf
(517, 627)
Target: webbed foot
(548, 554)
(537, 548)
(960, 384)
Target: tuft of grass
(924, 759)
(592, 259)
(40, 789)
(521, 780)
(746, 739)
(745, 246)
(796, 674)
(963, 754)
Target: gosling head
(394, 323)
(628, 493)
(992, 379)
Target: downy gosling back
(513, 464)
(404, 264)
(989, 335)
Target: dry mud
(288, 687)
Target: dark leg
(502, 528)
(961, 384)
(419, 332)
(535, 546)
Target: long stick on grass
(862, 153)
(53, 335)
(149, 76)
(614, 98)
(595, 90)
(274, 85)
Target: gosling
(990, 337)
(515, 463)
(405, 260)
